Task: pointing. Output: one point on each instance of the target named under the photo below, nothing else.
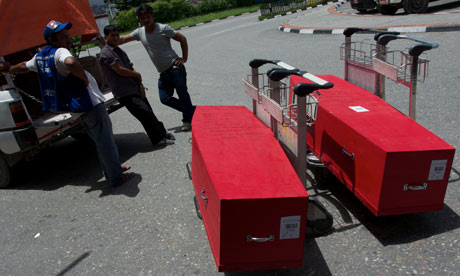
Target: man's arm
(125, 72)
(125, 39)
(184, 46)
(75, 68)
(20, 68)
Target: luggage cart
(367, 64)
(289, 111)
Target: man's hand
(138, 76)
(142, 91)
(5, 67)
(125, 72)
(180, 61)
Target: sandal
(125, 168)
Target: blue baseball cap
(53, 27)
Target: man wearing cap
(66, 87)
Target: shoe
(125, 178)
(186, 126)
(164, 142)
(125, 168)
(169, 136)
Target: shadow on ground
(388, 230)
(69, 162)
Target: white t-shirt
(60, 56)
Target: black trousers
(141, 109)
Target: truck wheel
(4, 172)
(388, 10)
(415, 6)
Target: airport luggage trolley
(368, 63)
(289, 112)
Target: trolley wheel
(415, 6)
(319, 220)
(388, 10)
(322, 176)
(197, 208)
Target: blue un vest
(60, 94)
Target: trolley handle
(256, 63)
(415, 50)
(303, 89)
(348, 32)
(277, 74)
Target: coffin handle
(415, 188)
(205, 198)
(250, 238)
(351, 155)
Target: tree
(126, 4)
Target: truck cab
(389, 7)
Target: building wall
(98, 6)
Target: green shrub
(162, 10)
(172, 10)
(126, 20)
(182, 9)
(208, 6)
(245, 3)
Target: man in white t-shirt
(156, 39)
(56, 59)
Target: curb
(304, 9)
(424, 29)
(401, 29)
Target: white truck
(24, 128)
(389, 7)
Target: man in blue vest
(66, 87)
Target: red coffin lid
(241, 155)
(382, 124)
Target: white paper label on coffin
(290, 227)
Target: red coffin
(246, 190)
(389, 161)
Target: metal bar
(302, 139)
(274, 95)
(347, 55)
(255, 82)
(413, 88)
(380, 79)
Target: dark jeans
(176, 78)
(141, 109)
